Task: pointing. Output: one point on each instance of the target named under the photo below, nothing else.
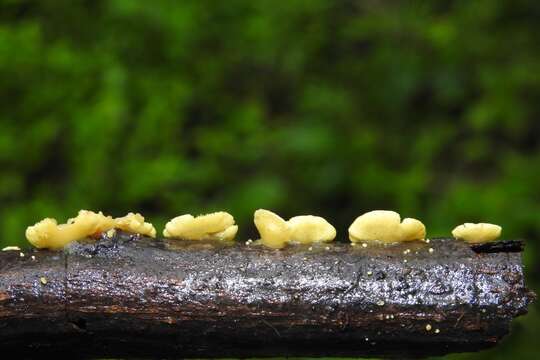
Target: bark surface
(130, 296)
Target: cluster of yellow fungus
(380, 226)
(385, 227)
(306, 229)
(49, 234)
(477, 233)
(215, 226)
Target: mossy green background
(431, 108)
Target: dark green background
(431, 108)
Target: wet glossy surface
(193, 298)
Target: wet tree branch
(129, 296)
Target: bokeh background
(431, 108)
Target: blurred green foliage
(431, 108)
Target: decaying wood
(129, 296)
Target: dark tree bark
(128, 296)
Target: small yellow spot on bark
(43, 280)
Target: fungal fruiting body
(305, 229)
(385, 227)
(49, 234)
(135, 223)
(274, 231)
(215, 226)
(477, 233)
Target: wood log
(131, 296)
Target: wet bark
(129, 296)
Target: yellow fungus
(134, 223)
(215, 226)
(477, 233)
(49, 234)
(306, 229)
(386, 227)
(275, 232)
